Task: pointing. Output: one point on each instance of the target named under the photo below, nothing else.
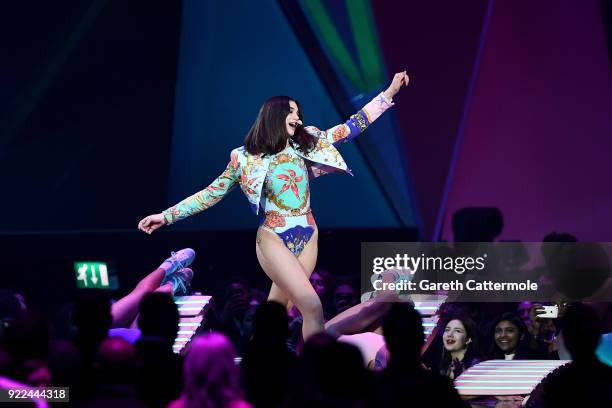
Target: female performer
(273, 168)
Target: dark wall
(87, 116)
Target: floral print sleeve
(357, 123)
(206, 198)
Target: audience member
(160, 369)
(405, 382)
(115, 374)
(585, 382)
(211, 377)
(268, 367)
(460, 348)
(510, 340)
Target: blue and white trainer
(181, 281)
(178, 260)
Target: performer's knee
(310, 305)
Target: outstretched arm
(364, 117)
(196, 203)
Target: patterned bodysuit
(285, 202)
(281, 191)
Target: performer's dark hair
(269, 135)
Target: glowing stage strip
(189, 324)
(485, 370)
(529, 363)
(478, 380)
(469, 387)
(522, 362)
(193, 309)
(191, 302)
(495, 381)
(502, 375)
(503, 367)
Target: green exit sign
(92, 275)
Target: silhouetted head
(92, 319)
(65, 363)
(158, 316)
(403, 332)
(345, 377)
(279, 119)
(581, 331)
(115, 361)
(547, 249)
(577, 270)
(270, 322)
(92, 314)
(332, 368)
(475, 224)
(211, 377)
(28, 337)
(317, 341)
(313, 353)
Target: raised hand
(399, 79)
(151, 223)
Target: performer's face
(506, 336)
(455, 337)
(292, 118)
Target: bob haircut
(268, 135)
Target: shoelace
(178, 283)
(174, 258)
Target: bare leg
(308, 259)
(366, 316)
(290, 276)
(124, 310)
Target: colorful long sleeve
(358, 122)
(206, 198)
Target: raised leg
(365, 316)
(124, 310)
